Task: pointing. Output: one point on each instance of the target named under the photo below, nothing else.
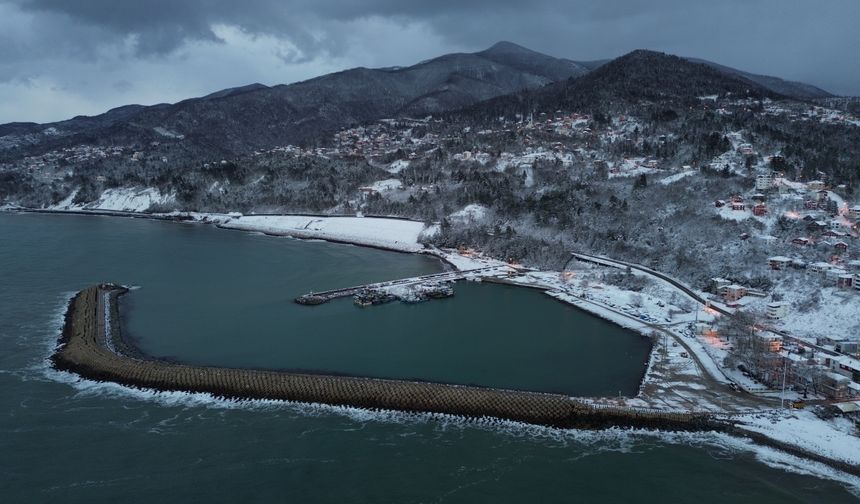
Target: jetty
(315, 298)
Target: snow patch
(395, 234)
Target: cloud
(104, 53)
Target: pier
(315, 298)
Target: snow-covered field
(123, 199)
(394, 234)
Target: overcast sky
(60, 58)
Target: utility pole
(784, 373)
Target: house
(778, 263)
(815, 185)
(835, 386)
(733, 292)
(801, 241)
(833, 233)
(854, 212)
(822, 195)
(810, 204)
(719, 203)
(816, 226)
(717, 284)
(841, 247)
(835, 273)
(763, 181)
(820, 268)
(760, 209)
(856, 282)
(738, 205)
(845, 281)
(777, 310)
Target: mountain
(635, 79)
(785, 87)
(508, 76)
(241, 119)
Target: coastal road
(693, 294)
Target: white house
(777, 310)
(763, 181)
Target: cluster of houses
(845, 275)
(67, 156)
(737, 203)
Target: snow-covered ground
(469, 214)
(123, 199)
(676, 177)
(397, 166)
(831, 438)
(394, 234)
(386, 185)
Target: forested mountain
(242, 119)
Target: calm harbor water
(217, 297)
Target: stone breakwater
(92, 346)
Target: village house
(845, 281)
(778, 263)
(801, 241)
(820, 268)
(815, 185)
(738, 205)
(822, 195)
(763, 181)
(733, 292)
(760, 209)
(854, 212)
(835, 386)
(719, 203)
(777, 310)
(810, 204)
(841, 247)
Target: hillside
(243, 119)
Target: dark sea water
(217, 297)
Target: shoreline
(734, 430)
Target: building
(835, 386)
(733, 292)
(856, 282)
(845, 281)
(801, 241)
(778, 263)
(777, 310)
(815, 185)
(763, 181)
(820, 268)
(854, 212)
(841, 247)
(739, 205)
(760, 209)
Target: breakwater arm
(92, 346)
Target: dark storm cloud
(285, 40)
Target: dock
(316, 298)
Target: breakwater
(92, 346)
